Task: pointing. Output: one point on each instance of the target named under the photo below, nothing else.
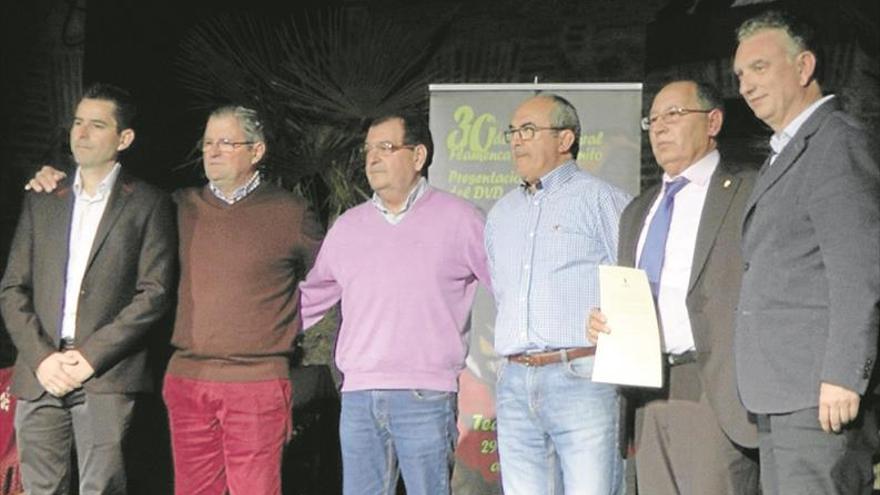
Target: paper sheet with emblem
(630, 354)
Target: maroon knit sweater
(238, 303)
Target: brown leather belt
(551, 357)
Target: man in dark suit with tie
(693, 436)
(806, 332)
(91, 269)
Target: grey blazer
(810, 305)
(127, 286)
(713, 290)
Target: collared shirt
(681, 242)
(240, 192)
(544, 252)
(780, 139)
(414, 195)
(87, 213)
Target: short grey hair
(801, 36)
(565, 116)
(248, 119)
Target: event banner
(472, 160)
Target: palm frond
(318, 78)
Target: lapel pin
(726, 183)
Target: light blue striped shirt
(544, 250)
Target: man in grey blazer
(91, 269)
(807, 325)
(693, 436)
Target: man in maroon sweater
(244, 245)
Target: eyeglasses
(385, 147)
(669, 117)
(224, 145)
(527, 132)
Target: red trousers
(227, 437)
(10, 474)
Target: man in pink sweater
(405, 265)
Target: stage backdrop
(472, 161)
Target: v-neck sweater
(237, 310)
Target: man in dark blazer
(806, 332)
(693, 436)
(91, 269)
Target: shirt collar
(780, 139)
(416, 193)
(554, 178)
(700, 172)
(240, 192)
(103, 187)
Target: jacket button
(745, 266)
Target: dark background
(51, 49)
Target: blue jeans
(385, 433)
(557, 430)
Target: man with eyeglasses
(90, 272)
(245, 243)
(693, 436)
(405, 265)
(809, 311)
(557, 430)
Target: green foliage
(317, 80)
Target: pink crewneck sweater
(406, 292)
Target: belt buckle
(67, 344)
(680, 358)
(527, 360)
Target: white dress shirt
(395, 218)
(680, 244)
(87, 213)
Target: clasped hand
(63, 372)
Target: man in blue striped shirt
(557, 430)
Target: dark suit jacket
(810, 305)
(127, 285)
(713, 290)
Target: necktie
(654, 249)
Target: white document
(630, 354)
